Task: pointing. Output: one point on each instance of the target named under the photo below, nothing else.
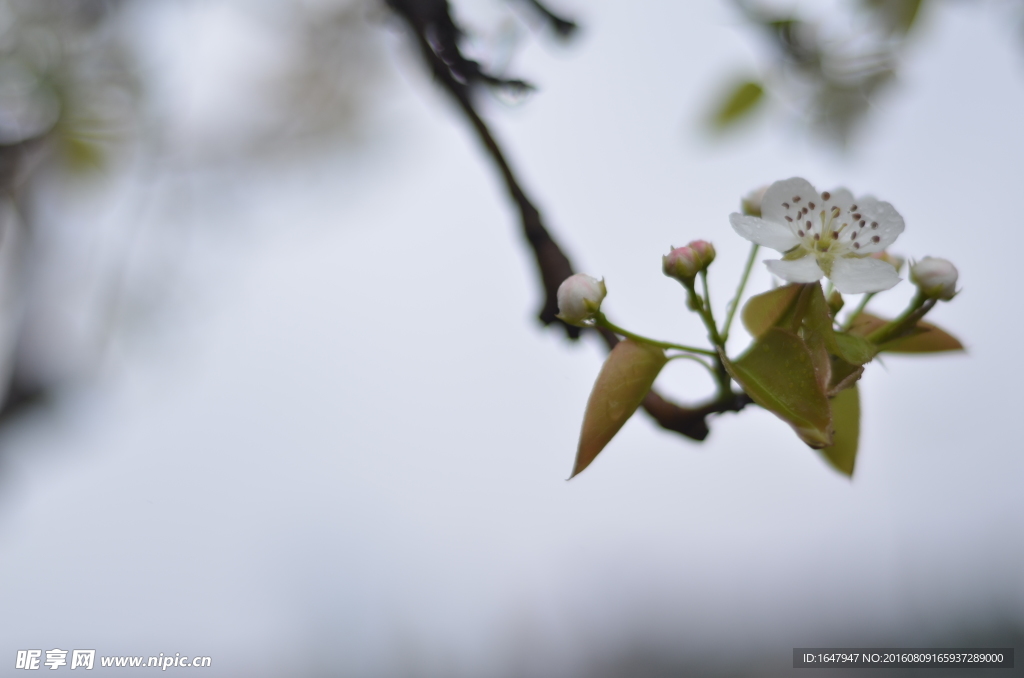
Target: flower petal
(787, 198)
(882, 221)
(802, 270)
(853, 276)
(771, 234)
(841, 198)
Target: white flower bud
(579, 299)
(750, 204)
(936, 278)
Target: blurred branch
(564, 27)
(438, 38)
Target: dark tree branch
(438, 38)
(564, 27)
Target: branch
(438, 36)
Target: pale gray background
(342, 448)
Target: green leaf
(739, 103)
(865, 323)
(844, 375)
(856, 350)
(764, 311)
(923, 338)
(777, 372)
(842, 454)
(624, 380)
(818, 320)
(931, 339)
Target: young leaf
(924, 338)
(844, 375)
(624, 380)
(777, 372)
(855, 350)
(865, 323)
(739, 103)
(763, 311)
(842, 454)
(817, 320)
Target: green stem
(919, 306)
(602, 321)
(857, 311)
(706, 314)
(735, 303)
(695, 359)
(716, 338)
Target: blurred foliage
(829, 72)
(740, 102)
(84, 95)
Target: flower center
(826, 229)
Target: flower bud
(579, 299)
(705, 252)
(750, 204)
(936, 278)
(682, 263)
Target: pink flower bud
(579, 299)
(936, 278)
(682, 263)
(705, 252)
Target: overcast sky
(344, 452)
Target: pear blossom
(827, 234)
(579, 299)
(935, 277)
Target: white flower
(936, 278)
(579, 299)
(827, 233)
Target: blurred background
(275, 391)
